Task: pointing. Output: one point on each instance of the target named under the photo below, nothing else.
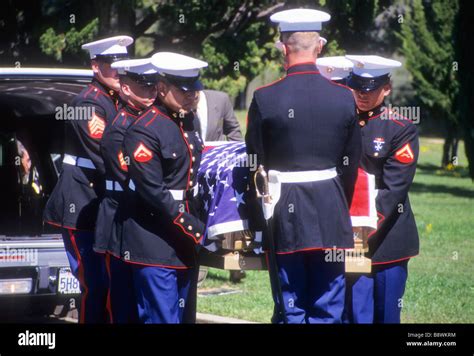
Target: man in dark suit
(218, 122)
(217, 117)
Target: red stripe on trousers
(80, 275)
(109, 301)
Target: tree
(427, 36)
(19, 25)
(465, 56)
(233, 36)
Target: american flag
(222, 179)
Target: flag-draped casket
(223, 177)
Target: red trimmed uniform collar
(106, 90)
(364, 116)
(302, 67)
(133, 110)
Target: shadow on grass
(459, 172)
(217, 277)
(438, 188)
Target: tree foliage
(69, 43)
(427, 43)
(237, 39)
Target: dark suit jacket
(221, 120)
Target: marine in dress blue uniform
(138, 92)
(74, 201)
(304, 128)
(161, 230)
(390, 151)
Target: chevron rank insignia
(405, 154)
(96, 127)
(123, 164)
(142, 154)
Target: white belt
(178, 194)
(113, 186)
(181, 194)
(304, 176)
(276, 178)
(78, 161)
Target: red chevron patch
(405, 154)
(142, 154)
(96, 127)
(123, 164)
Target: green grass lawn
(440, 287)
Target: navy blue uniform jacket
(390, 152)
(164, 150)
(108, 229)
(305, 122)
(78, 192)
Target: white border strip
(230, 226)
(364, 221)
(47, 71)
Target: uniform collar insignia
(365, 115)
(105, 89)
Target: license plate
(67, 283)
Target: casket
(228, 243)
(222, 179)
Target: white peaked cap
(108, 46)
(138, 66)
(372, 66)
(177, 64)
(297, 20)
(334, 68)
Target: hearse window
(21, 208)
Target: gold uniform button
(174, 154)
(190, 227)
(198, 234)
(191, 171)
(181, 220)
(376, 154)
(194, 159)
(185, 135)
(91, 185)
(362, 123)
(153, 111)
(191, 146)
(95, 89)
(123, 114)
